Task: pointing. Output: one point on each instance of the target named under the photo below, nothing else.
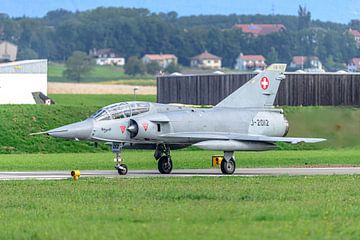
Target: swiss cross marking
(146, 126)
(122, 129)
(264, 83)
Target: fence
(298, 89)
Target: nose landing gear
(120, 167)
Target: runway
(214, 172)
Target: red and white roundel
(264, 83)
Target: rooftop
(159, 57)
(355, 33)
(252, 57)
(206, 56)
(260, 29)
(300, 60)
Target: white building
(307, 63)
(20, 81)
(164, 60)
(206, 60)
(250, 62)
(107, 56)
(8, 51)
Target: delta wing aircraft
(244, 121)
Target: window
(121, 110)
(101, 115)
(138, 108)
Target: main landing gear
(121, 168)
(162, 155)
(228, 164)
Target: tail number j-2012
(259, 122)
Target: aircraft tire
(165, 165)
(228, 167)
(124, 169)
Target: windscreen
(121, 110)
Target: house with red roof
(354, 65)
(163, 60)
(250, 62)
(260, 29)
(206, 60)
(356, 35)
(307, 63)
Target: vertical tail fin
(259, 92)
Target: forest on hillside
(135, 32)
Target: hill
(135, 32)
(339, 125)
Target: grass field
(101, 74)
(99, 100)
(181, 158)
(182, 208)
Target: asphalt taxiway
(214, 172)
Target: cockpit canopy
(121, 110)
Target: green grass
(324, 207)
(339, 125)
(181, 158)
(99, 100)
(100, 74)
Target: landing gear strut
(228, 164)
(120, 167)
(162, 154)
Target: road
(53, 175)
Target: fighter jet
(246, 120)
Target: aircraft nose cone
(79, 130)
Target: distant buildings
(307, 63)
(260, 29)
(250, 62)
(206, 60)
(356, 35)
(24, 82)
(163, 60)
(354, 65)
(8, 51)
(107, 56)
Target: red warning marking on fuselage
(146, 126)
(264, 83)
(122, 129)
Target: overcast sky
(328, 10)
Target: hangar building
(21, 82)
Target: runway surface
(215, 172)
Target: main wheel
(228, 167)
(165, 165)
(123, 169)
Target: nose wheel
(122, 169)
(119, 166)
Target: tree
(273, 56)
(172, 67)
(26, 54)
(134, 66)
(78, 65)
(304, 17)
(153, 68)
